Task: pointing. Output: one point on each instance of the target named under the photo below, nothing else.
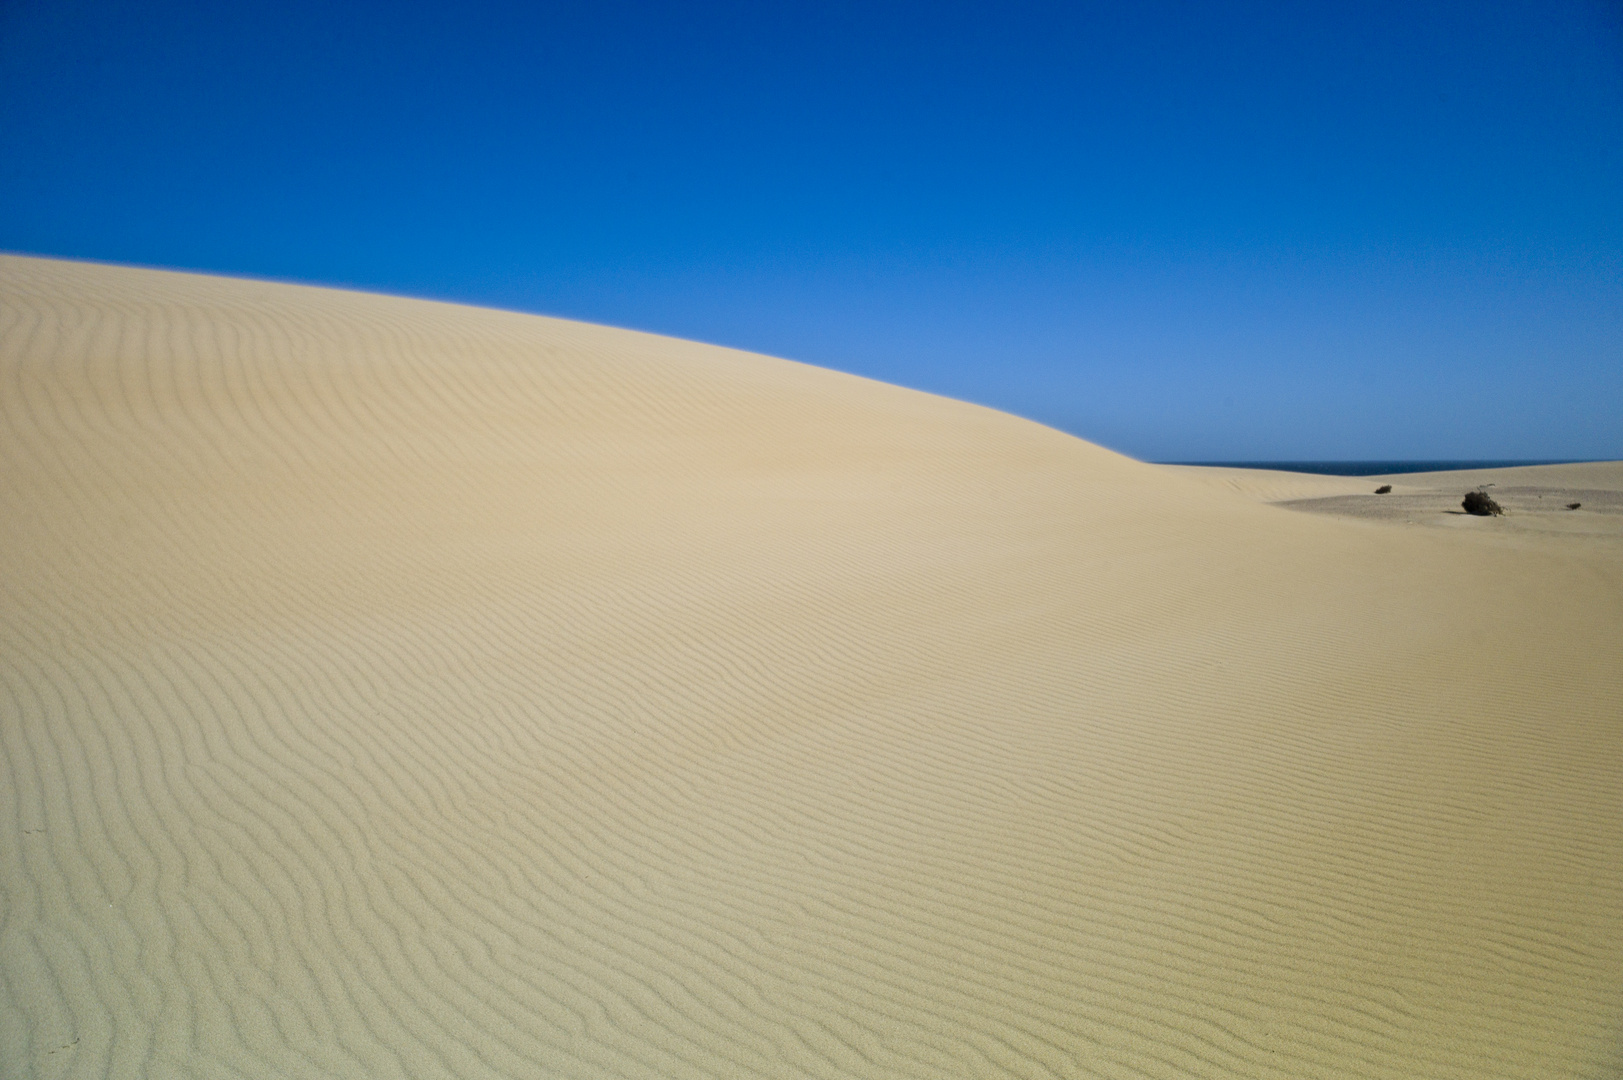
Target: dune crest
(396, 689)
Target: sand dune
(393, 689)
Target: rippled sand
(394, 689)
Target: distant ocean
(1366, 468)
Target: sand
(1535, 499)
(396, 689)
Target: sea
(1367, 468)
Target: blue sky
(1189, 231)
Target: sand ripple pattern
(393, 689)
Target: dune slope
(393, 689)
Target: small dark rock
(1573, 506)
(1383, 489)
(1478, 503)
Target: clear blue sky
(1184, 230)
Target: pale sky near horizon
(1187, 231)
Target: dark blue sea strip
(1369, 468)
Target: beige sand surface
(392, 689)
(1536, 499)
